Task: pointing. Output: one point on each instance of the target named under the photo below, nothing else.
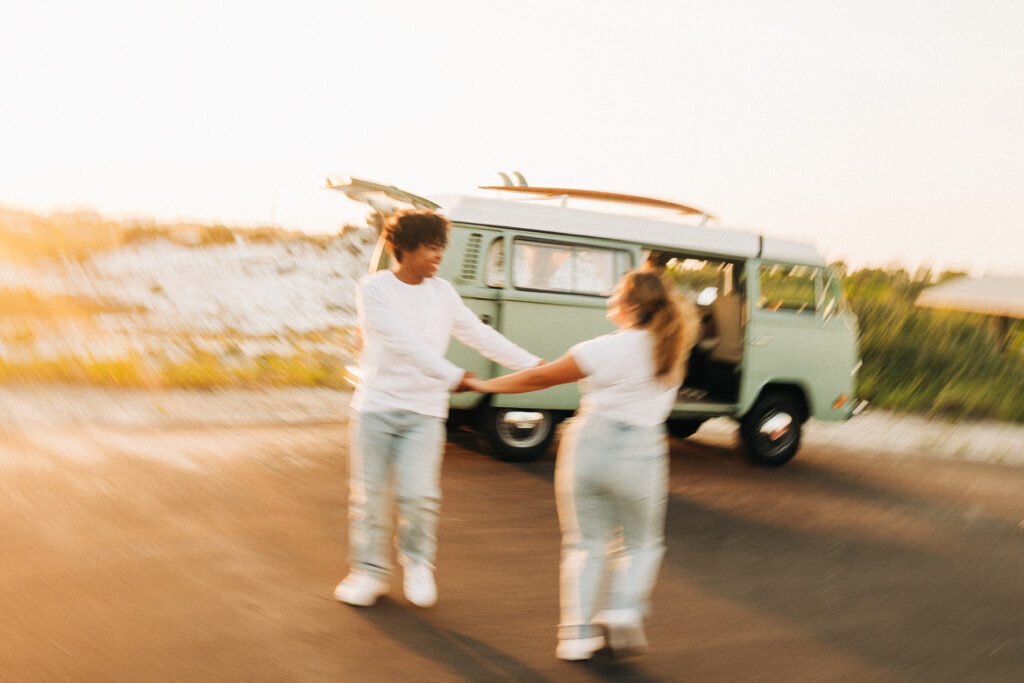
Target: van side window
(788, 288)
(494, 265)
(568, 268)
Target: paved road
(210, 553)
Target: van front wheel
(771, 430)
(517, 434)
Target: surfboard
(598, 195)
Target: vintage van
(778, 345)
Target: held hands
(471, 382)
(476, 384)
(466, 379)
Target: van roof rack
(598, 195)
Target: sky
(885, 132)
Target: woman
(612, 472)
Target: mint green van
(777, 343)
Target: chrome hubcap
(523, 428)
(775, 433)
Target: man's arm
(468, 329)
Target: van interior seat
(727, 311)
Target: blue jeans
(397, 450)
(611, 486)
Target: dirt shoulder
(879, 432)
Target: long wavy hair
(661, 317)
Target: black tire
(771, 430)
(524, 440)
(682, 428)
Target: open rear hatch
(385, 199)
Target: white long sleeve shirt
(406, 330)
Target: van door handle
(485, 319)
(762, 340)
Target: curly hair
(407, 230)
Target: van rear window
(567, 268)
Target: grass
(19, 302)
(122, 372)
(200, 371)
(205, 370)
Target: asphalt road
(210, 554)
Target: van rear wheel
(518, 434)
(771, 430)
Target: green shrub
(931, 361)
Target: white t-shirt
(620, 382)
(406, 330)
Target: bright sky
(883, 131)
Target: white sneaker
(419, 585)
(624, 631)
(578, 649)
(360, 589)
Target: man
(407, 317)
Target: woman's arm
(561, 371)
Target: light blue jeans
(611, 486)
(397, 451)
